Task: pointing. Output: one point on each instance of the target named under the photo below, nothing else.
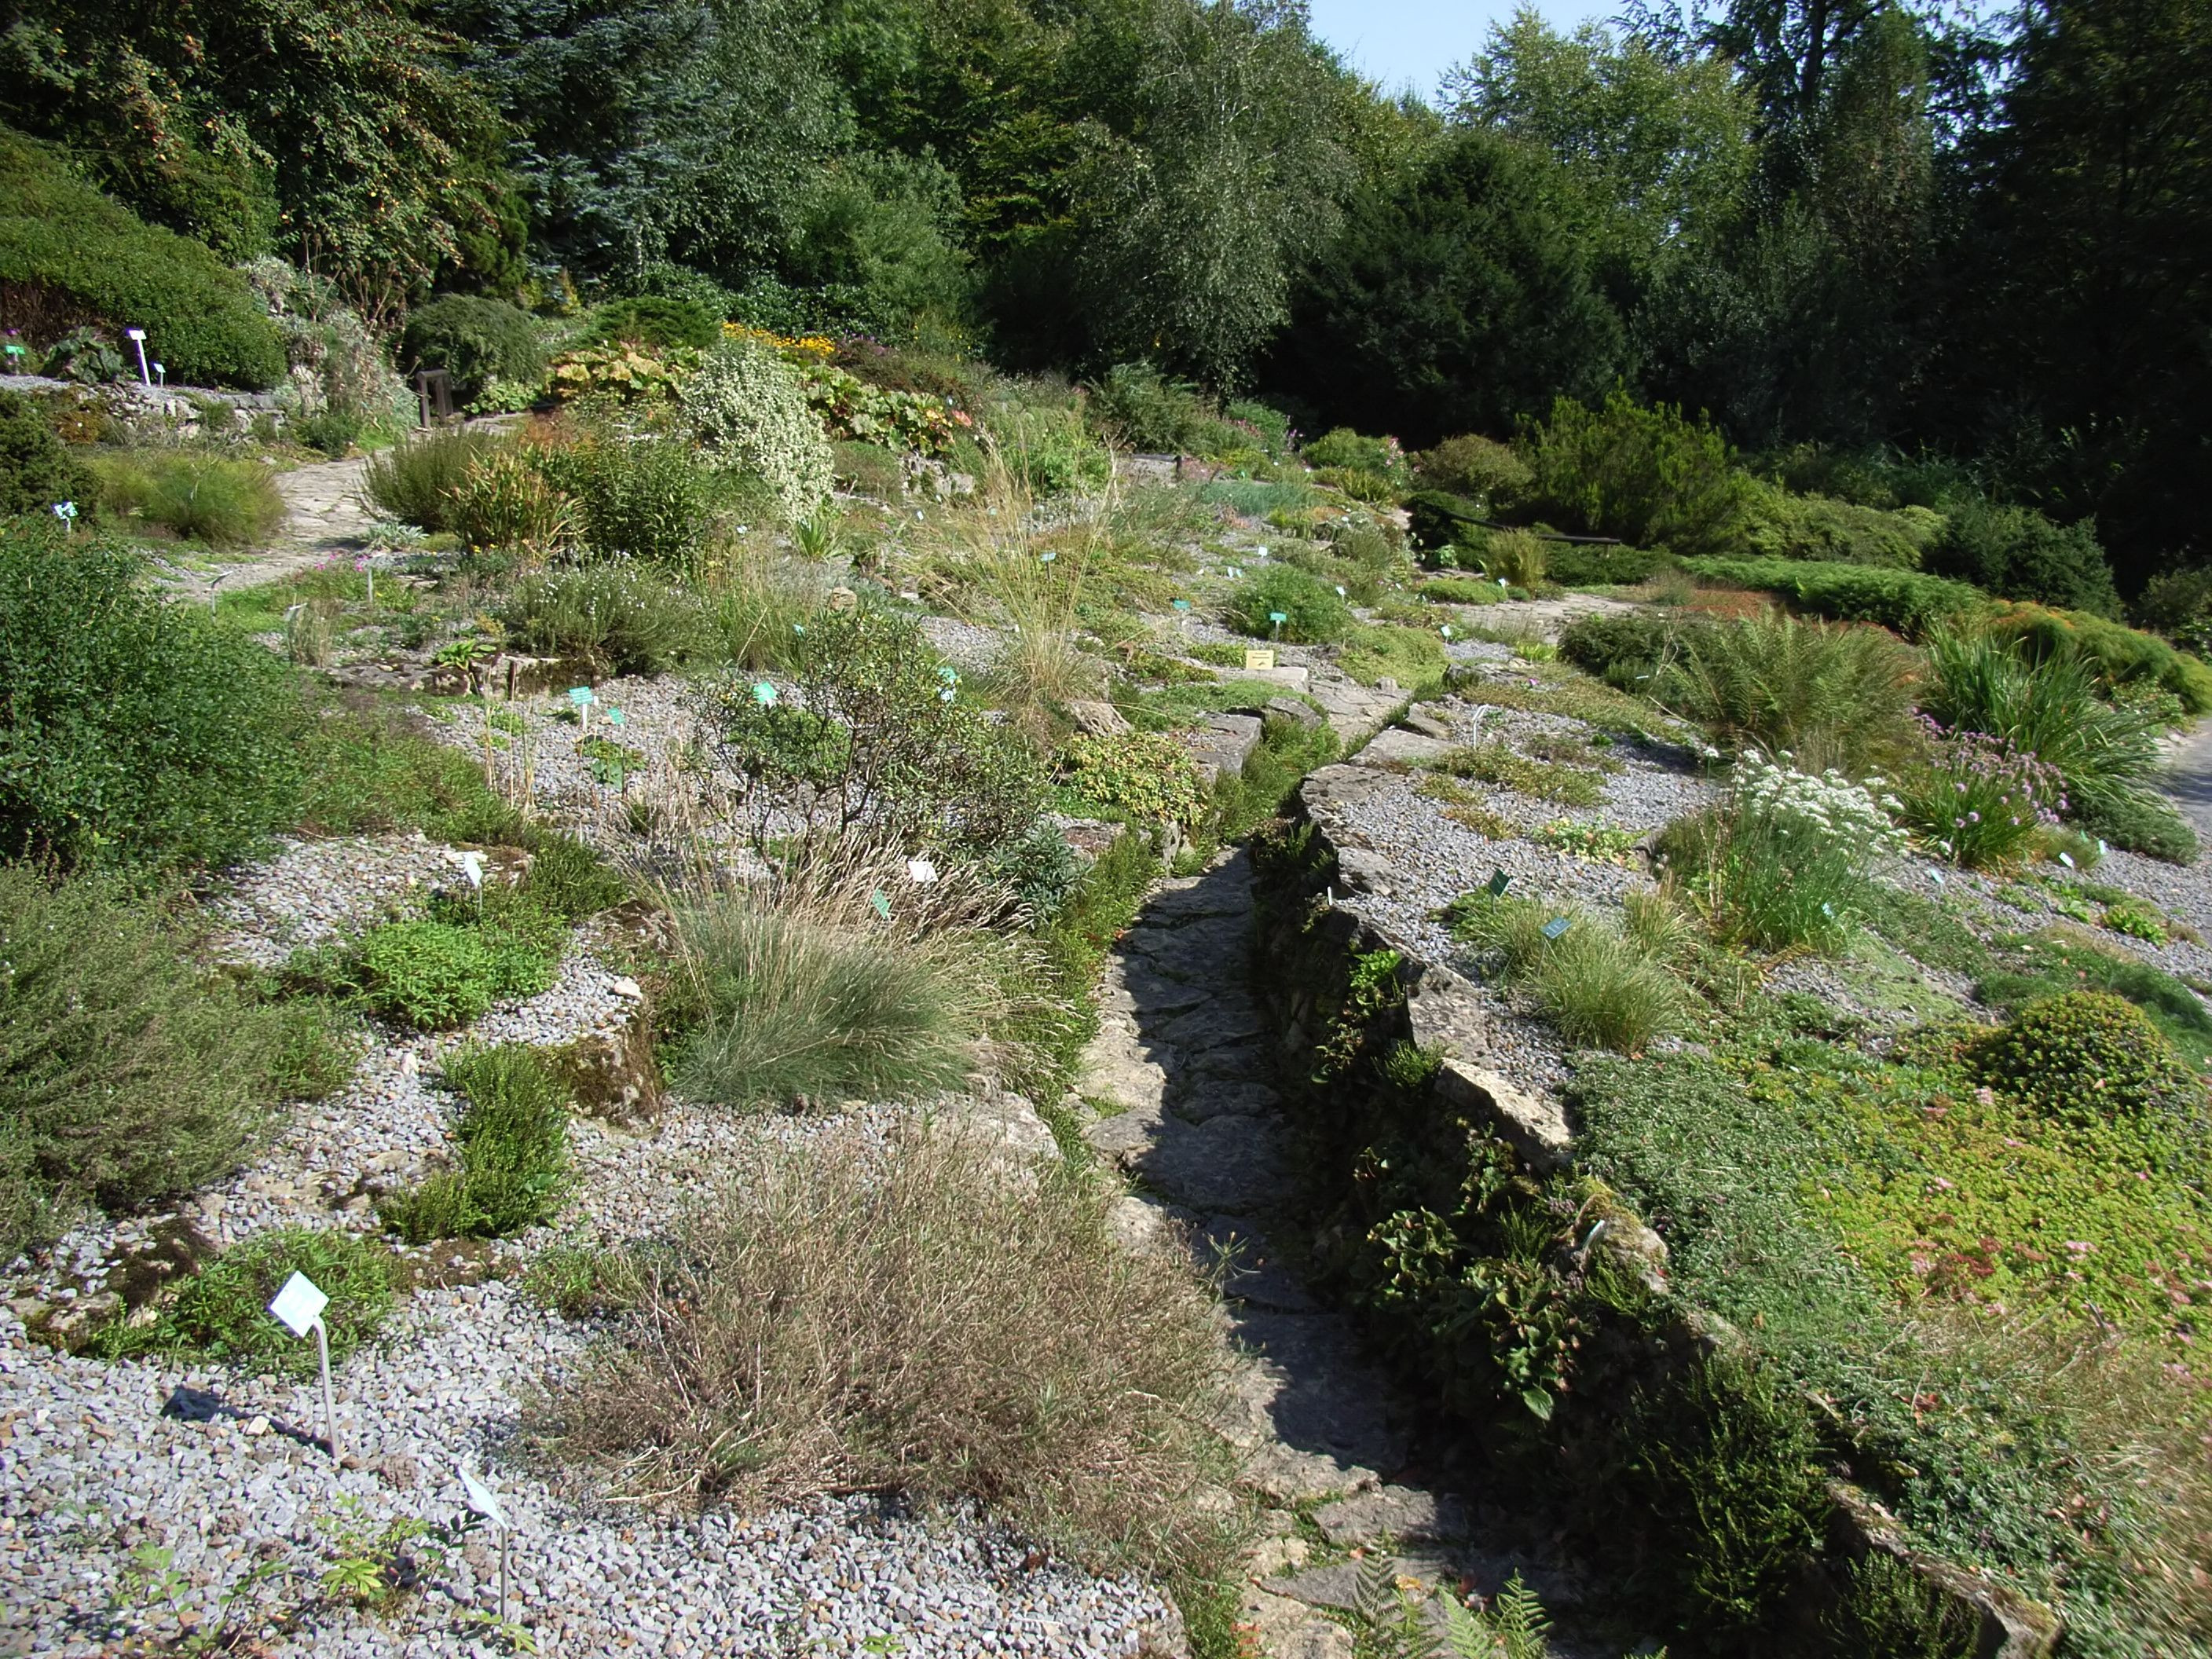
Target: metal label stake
(299, 1306)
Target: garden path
(2188, 777)
(1181, 1072)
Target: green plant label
(1278, 617)
(1179, 605)
(763, 694)
(1557, 926)
(1499, 883)
(580, 695)
(881, 905)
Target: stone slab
(1235, 1165)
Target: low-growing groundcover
(511, 1151)
(223, 1312)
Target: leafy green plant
(619, 619)
(1605, 843)
(1400, 1618)
(1977, 801)
(505, 503)
(658, 321)
(415, 481)
(1148, 776)
(1312, 613)
(1905, 601)
(1513, 556)
(1490, 474)
(436, 973)
(1344, 449)
(37, 471)
(2018, 553)
(223, 1312)
(640, 498)
(1826, 695)
(512, 1151)
(125, 1074)
(134, 730)
(1782, 525)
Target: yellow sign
(1264, 657)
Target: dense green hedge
(1905, 601)
(59, 235)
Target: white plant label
(481, 1498)
(299, 1304)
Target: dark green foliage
(1437, 519)
(512, 1151)
(2087, 1057)
(2018, 554)
(364, 768)
(1313, 613)
(1646, 475)
(2056, 964)
(37, 471)
(1486, 472)
(125, 1074)
(2179, 604)
(1829, 696)
(1905, 601)
(649, 499)
(1453, 300)
(475, 341)
(2140, 824)
(653, 320)
(223, 1315)
(133, 729)
(619, 619)
(414, 480)
(2123, 660)
(1782, 525)
(1889, 1610)
(1573, 566)
(432, 975)
(74, 256)
(1623, 648)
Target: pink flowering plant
(1976, 801)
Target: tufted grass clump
(1833, 696)
(1603, 987)
(908, 1314)
(511, 1140)
(415, 482)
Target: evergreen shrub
(37, 471)
(475, 340)
(2017, 553)
(1645, 474)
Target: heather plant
(1311, 612)
(511, 1147)
(1647, 475)
(1977, 801)
(748, 407)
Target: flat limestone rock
(1225, 1163)
(1207, 1097)
(1403, 1513)
(1116, 1067)
(1405, 748)
(1124, 1135)
(1309, 1406)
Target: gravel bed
(90, 1469)
(966, 645)
(312, 892)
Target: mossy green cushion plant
(60, 237)
(1312, 612)
(1147, 777)
(2086, 1058)
(511, 1137)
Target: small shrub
(1625, 648)
(1787, 527)
(1345, 450)
(2086, 1058)
(2119, 657)
(2141, 823)
(1413, 656)
(1513, 556)
(208, 498)
(476, 341)
(1906, 601)
(1139, 408)
(37, 471)
(434, 973)
(2018, 553)
(897, 1316)
(1828, 696)
(1048, 452)
(1646, 475)
(622, 620)
(511, 1138)
(1312, 612)
(505, 503)
(415, 482)
(222, 1313)
(1978, 800)
(2179, 604)
(1257, 498)
(1148, 776)
(657, 322)
(125, 1075)
(636, 498)
(749, 408)
(1573, 565)
(1490, 474)
(133, 729)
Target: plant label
(299, 1304)
(1499, 881)
(1279, 618)
(763, 694)
(1179, 605)
(921, 872)
(1557, 926)
(1263, 659)
(582, 696)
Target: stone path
(2188, 776)
(1179, 1073)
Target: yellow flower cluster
(817, 348)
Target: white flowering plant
(748, 409)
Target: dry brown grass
(908, 1314)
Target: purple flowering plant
(1977, 800)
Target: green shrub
(1646, 475)
(622, 620)
(2179, 604)
(2123, 660)
(208, 498)
(2141, 823)
(1907, 601)
(1146, 775)
(1978, 800)
(1514, 557)
(37, 471)
(332, 431)
(658, 322)
(870, 469)
(1781, 525)
(642, 498)
(1269, 425)
(1049, 451)
(1828, 696)
(2088, 1057)
(511, 1137)
(1490, 474)
(1582, 566)
(1312, 613)
(63, 242)
(476, 341)
(133, 729)
(1138, 407)
(2057, 962)
(1979, 681)
(222, 1313)
(415, 482)
(2016, 552)
(878, 731)
(748, 407)
(1622, 647)
(799, 1004)
(1343, 449)
(125, 1074)
(1413, 656)
(1494, 764)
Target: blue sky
(1401, 41)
